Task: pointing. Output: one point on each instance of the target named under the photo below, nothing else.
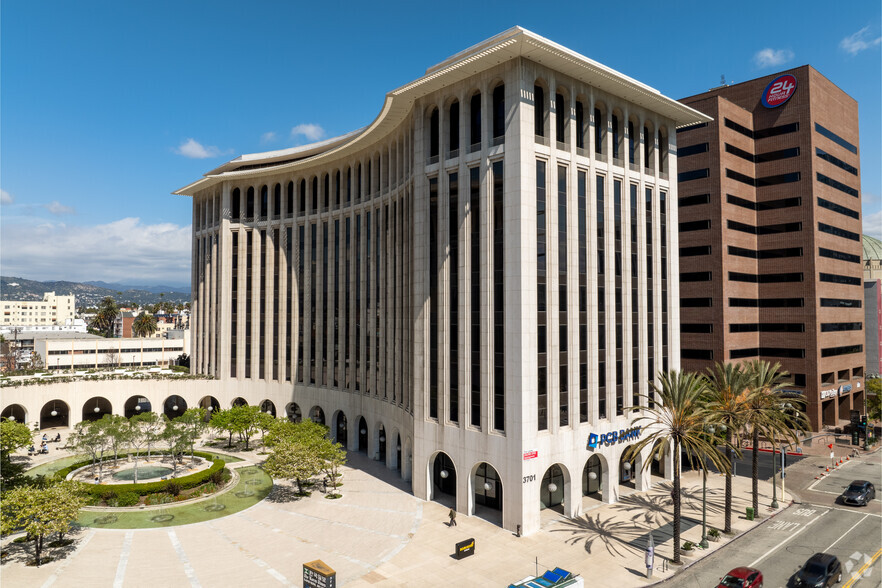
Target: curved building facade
(475, 288)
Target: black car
(858, 493)
(820, 571)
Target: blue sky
(107, 107)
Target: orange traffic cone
(840, 460)
(827, 470)
(847, 458)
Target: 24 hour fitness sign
(779, 91)
(613, 437)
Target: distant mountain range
(91, 293)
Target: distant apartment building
(52, 310)
(770, 236)
(122, 324)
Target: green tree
(137, 436)
(193, 423)
(175, 437)
(244, 421)
(222, 422)
(333, 457)
(874, 399)
(89, 437)
(41, 511)
(104, 317)
(144, 325)
(13, 436)
(727, 390)
(677, 420)
(117, 430)
(293, 460)
(765, 415)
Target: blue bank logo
(613, 437)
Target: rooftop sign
(779, 91)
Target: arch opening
(551, 492)
(381, 443)
(210, 404)
(15, 412)
(593, 475)
(269, 407)
(292, 411)
(341, 429)
(317, 415)
(136, 405)
(239, 401)
(362, 435)
(55, 413)
(95, 408)
(443, 473)
(174, 406)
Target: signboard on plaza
(318, 574)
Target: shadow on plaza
(620, 538)
(24, 553)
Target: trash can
(749, 513)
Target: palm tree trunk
(676, 502)
(728, 523)
(755, 481)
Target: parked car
(819, 571)
(858, 493)
(742, 578)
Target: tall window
(347, 281)
(277, 262)
(662, 205)
(289, 211)
(313, 291)
(499, 111)
(650, 298)
(475, 120)
(249, 299)
(453, 264)
(539, 110)
(433, 298)
(433, 133)
(357, 335)
(235, 205)
(261, 296)
(289, 237)
(475, 234)
(617, 219)
(336, 277)
(498, 299)
(560, 118)
(302, 209)
(615, 137)
(647, 138)
(581, 182)
(601, 299)
(301, 304)
(580, 126)
(249, 204)
(315, 193)
(367, 302)
(635, 311)
(599, 126)
(234, 302)
(541, 297)
(562, 295)
(453, 129)
(632, 144)
(326, 319)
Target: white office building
(474, 289)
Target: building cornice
(511, 44)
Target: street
(818, 524)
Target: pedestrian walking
(452, 515)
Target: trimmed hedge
(62, 473)
(185, 482)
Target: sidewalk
(378, 534)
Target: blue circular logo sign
(779, 91)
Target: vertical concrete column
(269, 316)
(223, 306)
(195, 303)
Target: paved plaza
(378, 534)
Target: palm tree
(144, 325)
(765, 413)
(726, 398)
(678, 418)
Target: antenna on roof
(722, 79)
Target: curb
(686, 566)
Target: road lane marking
(123, 560)
(859, 574)
(847, 532)
(778, 546)
(852, 511)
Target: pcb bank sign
(596, 440)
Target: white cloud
(310, 131)
(772, 57)
(119, 251)
(6, 197)
(858, 42)
(195, 150)
(268, 137)
(872, 224)
(57, 208)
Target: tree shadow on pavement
(23, 553)
(615, 536)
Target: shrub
(217, 477)
(173, 488)
(714, 533)
(159, 498)
(209, 488)
(107, 495)
(185, 483)
(687, 546)
(127, 499)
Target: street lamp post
(703, 544)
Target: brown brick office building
(770, 235)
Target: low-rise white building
(98, 352)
